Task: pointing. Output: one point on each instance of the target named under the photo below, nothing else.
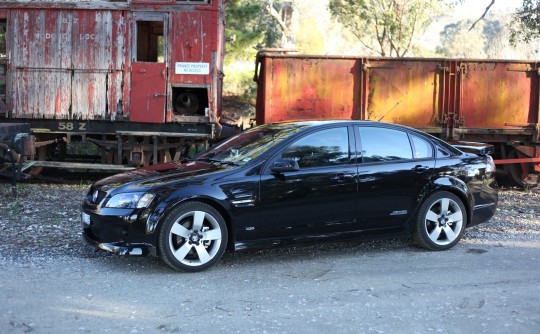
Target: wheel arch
(201, 199)
(456, 187)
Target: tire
(519, 172)
(441, 222)
(193, 237)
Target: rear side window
(381, 145)
(323, 148)
(421, 148)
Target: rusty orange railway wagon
(494, 101)
(141, 79)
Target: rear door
(395, 168)
(149, 68)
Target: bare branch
(274, 13)
(483, 15)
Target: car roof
(321, 123)
(317, 123)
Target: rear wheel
(193, 237)
(441, 221)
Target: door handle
(340, 177)
(420, 168)
(156, 95)
(142, 71)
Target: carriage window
(150, 40)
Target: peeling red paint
(73, 59)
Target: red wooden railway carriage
(140, 78)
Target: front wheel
(193, 237)
(441, 221)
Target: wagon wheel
(521, 173)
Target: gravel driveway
(51, 282)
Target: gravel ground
(43, 221)
(51, 282)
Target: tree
(255, 24)
(525, 25)
(457, 41)
(496, 39)
(282, 13)
(243, 29)
(386, 27)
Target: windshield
(248, 145)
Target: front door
(149, 68)
(320, 198)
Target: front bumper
(119, 231)
(120, 248)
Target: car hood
(158, 175)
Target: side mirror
(285, 165)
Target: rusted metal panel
(458, 99)
(498, 95)
(309, 88)
(403, 92)
(61, 62)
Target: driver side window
(324, 148)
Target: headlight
(490, 165)
(130, 200)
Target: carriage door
(149, 68)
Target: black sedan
(295, 183)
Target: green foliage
(386, 27)
(242, 30)
(525, 26)
(249, 27)
(238, 81)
